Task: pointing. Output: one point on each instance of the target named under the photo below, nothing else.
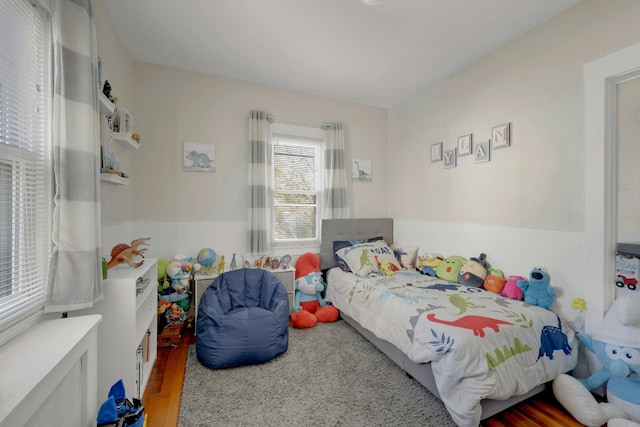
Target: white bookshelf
(126, 318)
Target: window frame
(33, 230)
(307, 137)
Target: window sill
(278, 250)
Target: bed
(478, 352)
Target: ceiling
(342, 49)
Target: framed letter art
(464, 145)
(450, 158)
(481, 152)
(436, 152)
(501, 136)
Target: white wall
(181, 211)
(210, 209)
(529, 197)
(525, 207)
(117, 68)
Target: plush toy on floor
(309, 306)
(538, 291)
(617, 346)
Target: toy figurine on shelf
(258, 263)
(106, 90)
(233, 264)
(245, 263)
(123, 253)
(221, 265)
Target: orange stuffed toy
(309, 306)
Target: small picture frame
(199, 157)
(481, 152)
(361, 170)
(123, 122)
(450, 158)
(464, 145)
(436, 152)
(501, 135)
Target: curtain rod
(295, 121)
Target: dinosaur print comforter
(480, 345)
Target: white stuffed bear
(617, 346)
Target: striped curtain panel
(259, 214)
(335, 174)
(75, 279)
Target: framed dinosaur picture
(361, 170)
(199, 157)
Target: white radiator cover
(48, 375)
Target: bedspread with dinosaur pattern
(480, 345)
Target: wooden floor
(162, 397)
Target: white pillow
(381, 252)
(406, 255)
(363, 258)
(358, 258)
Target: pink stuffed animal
(511, 289)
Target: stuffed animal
(473, 272)
(450, 268)
(427, 264)
(538, 291)
(617, 345)
(385, 268)
(164, 282)
(511, 289)
(494, 281)
(179, 276)
(309, 307)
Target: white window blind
(25, 172)
(297, 190)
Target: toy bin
(171, 335)
(626, 271)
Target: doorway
(601, 79)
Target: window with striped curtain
(297, 182)
(25, 173)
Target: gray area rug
(329, 376)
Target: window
(25, 173)
(297, 189)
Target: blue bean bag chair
(243, 318)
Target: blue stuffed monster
(617, 346)
(538, 291)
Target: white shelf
(106, 106)
(113, 179)
(125, 139)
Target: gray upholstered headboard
(352, 228)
